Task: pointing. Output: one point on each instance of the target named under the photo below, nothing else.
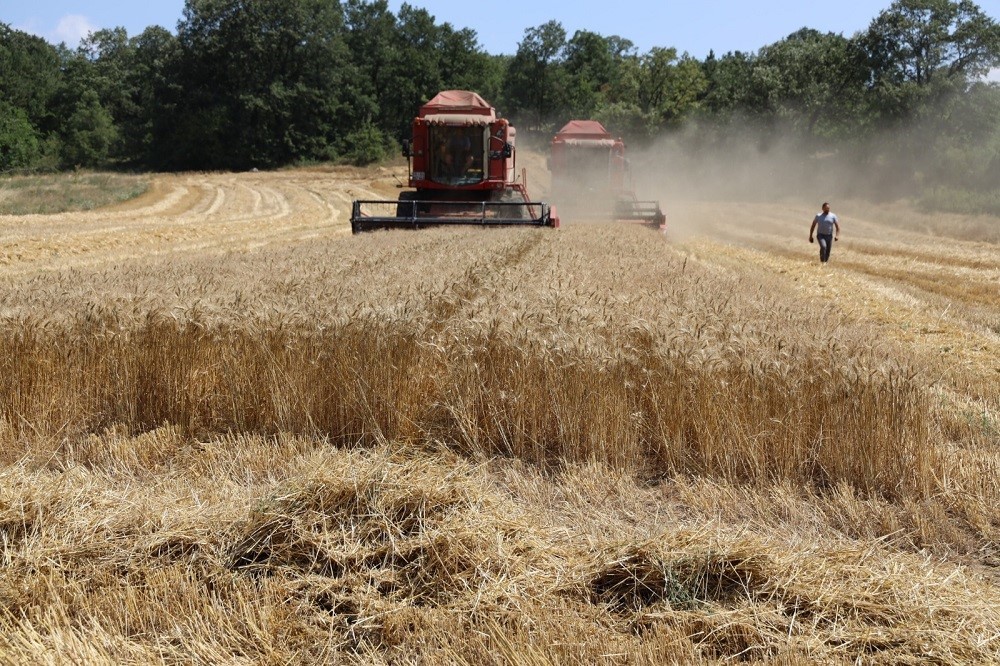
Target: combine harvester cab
(591, 176)
(462, 170)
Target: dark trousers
(825, 244)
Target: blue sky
(694, 27)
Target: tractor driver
(452, 156)
(459, 153)
(442, 159)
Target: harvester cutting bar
(410, 214)
(639, 211)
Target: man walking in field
(827, 230)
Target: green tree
(465, 66)
(535, 86)
(366, 145)
(103, 64)
(593, 66)
(919, 40)
(88, 134)
(30, 76)
(110, 54)
(259, 82)
(129, 76)
(669, 87)
(924, 58)
(404, 61)
(416, 70)
(147, 130)
(430, 58)
(626, 119)
(813, 81)
(921, 50)
(18, 139)
(374, 49)
(728, 87)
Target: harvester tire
(406, 206)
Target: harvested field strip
(235, 212)
(977, 288)
(953, 256)
(289, 549)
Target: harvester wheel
(405, 207)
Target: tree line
(265, 83)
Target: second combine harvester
(462, 171)
(591, 176)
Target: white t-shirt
(824, 223)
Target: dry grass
(590, 446)
(26, 195)
(386, 554)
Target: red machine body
(462, 170)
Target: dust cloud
(705, 176)
(750, 165)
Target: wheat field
(230, 432)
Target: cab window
(456, 154)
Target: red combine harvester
(591, 176)
(462, 171)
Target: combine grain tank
(462, 171)
(591, 176)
